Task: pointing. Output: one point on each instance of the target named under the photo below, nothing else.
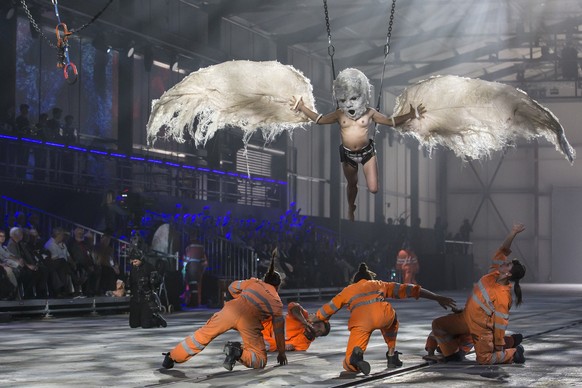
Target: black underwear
(360, 156)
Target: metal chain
(330, 47)
(73, 31)
(386, 51)
(389, 34)
(35, 26)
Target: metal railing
(77, 166)
(229, 260)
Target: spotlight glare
(130, 52)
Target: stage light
(130, 47)
(174, 62)
(10, 13)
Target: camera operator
(144, 304)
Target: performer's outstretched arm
(397, 120)
(298, 106)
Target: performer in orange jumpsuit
(407, 263)
(465, 344)
(254, 301)
(366, 299)
(486, 312)
(300, 328)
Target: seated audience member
(80, 249)
(9, 272)
(62, 267)
(31, 277)
(106, 266)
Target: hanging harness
(62, 32)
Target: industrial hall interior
(300, 193)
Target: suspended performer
(351, 90)
(367, 301)
(486, 313)
(301, 329)
(254, 302)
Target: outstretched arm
(298, 106)
(397, 120)
(506, 245)
(296, 312)
(444, 301)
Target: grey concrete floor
(104, 351)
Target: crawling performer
(254, 302)
(351, 89)
(368, 303)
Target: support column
(125, 105)
(8, 67)
(414, 189)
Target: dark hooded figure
(144, 305)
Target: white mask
(351, 89)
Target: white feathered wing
(245, 94)
(473, 117)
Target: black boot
(357, 360)
(160, 321)
(518, 356)
(455, 357)
(393, 361)
(517, 338)
(233, 351)
(168, 363)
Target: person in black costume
(144, 304)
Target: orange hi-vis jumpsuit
(369, 310)
(408, 264)
(464, 342)
(294, 329)
(485, 317)
(254, 301)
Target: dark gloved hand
(517, 338)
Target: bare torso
(354, 133)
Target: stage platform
(47, 308)
(96, 349)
